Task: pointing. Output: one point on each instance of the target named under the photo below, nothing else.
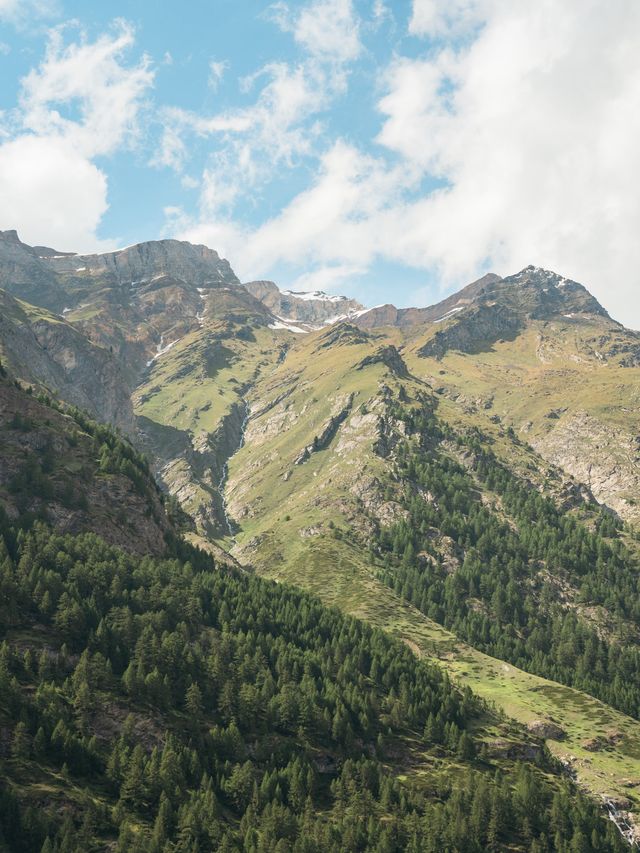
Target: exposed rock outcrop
(390, 357)
(315, 307)
(326, 435)
(601, 455)
(196, 264)
(44, 350)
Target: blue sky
(390, 150)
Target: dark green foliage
(115, 454)
(254, 713)
(505, 595)
(44, 473)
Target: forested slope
(160, 703)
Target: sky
(392, 150)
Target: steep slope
(549, 362)
(44, 350)
(148, 702)
(60, 467)
(300, 453)
(55, 280)
(283, 721)
(148, 326)
(316, 479)
(191, 409)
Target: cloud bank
(82, 102)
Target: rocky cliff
(314, 307)
(195, 264)
(48, 352)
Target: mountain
(59, 467)
(47, 351)
(149, 697)
(314, 308)
(463, 477)
(533, 293)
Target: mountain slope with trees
(463, 477)
(164, 703)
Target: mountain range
(463, 478)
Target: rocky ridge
(314, 308)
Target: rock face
(198, 265)
(546, 729)
(314, 308)
(533, 293)
(492, 309)
(389, 315)
(134, 302)
(477, 330)
(24, 274)
(603, 457)
(390, 357)
(44, 350)
(327, 432)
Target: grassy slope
(539, 383)
(286, 535)
(284, 511)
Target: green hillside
(452, 490)
(165, 704)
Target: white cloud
(444, 17)
(325, 29)
(50, 194)
(217, 70)
(282, 127)
(21, 12)
(327, 278)
(329, 226)
(381, 12)
(248, 142)
(329, 29)
(88, 80)
(83, 101)
(535, 127)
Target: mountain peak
(315, 307)
(177, 258)
(10, 236)
(542, 293)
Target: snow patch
(283, 324)
(313, 295)
(162, 349)
(449, 314)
